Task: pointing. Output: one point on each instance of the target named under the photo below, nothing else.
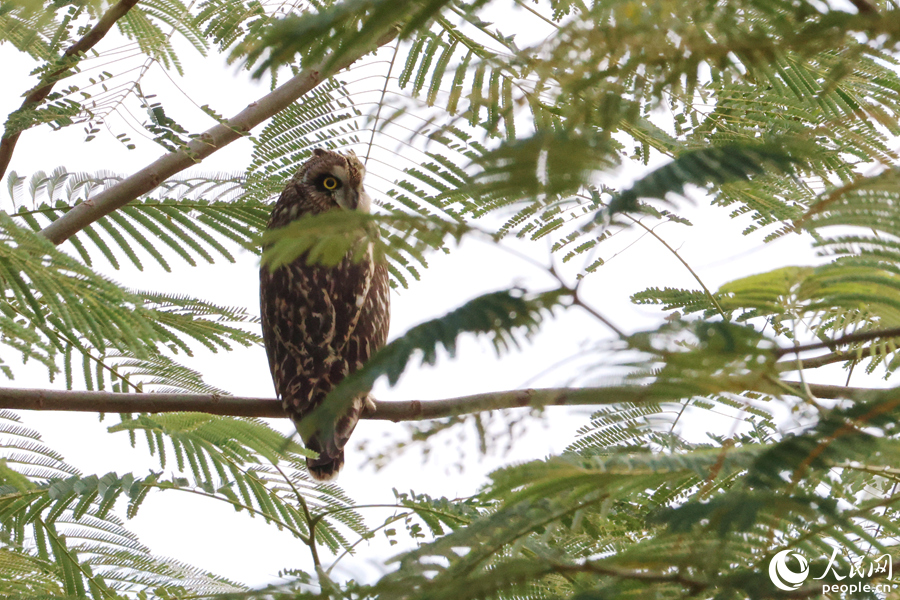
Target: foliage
(784, 112)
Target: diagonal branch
(199, 148)
(38, 94)
(819, 361)
(850, 338)
(407, 410)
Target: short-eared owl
(321, 323)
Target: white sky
(211, 535)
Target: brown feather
(322, 323)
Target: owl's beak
(347, 199)
(356, 199)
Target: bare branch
(410, 410)
(406, 410)
(81, 401)
(851, 338)
(37, 95)
(199, 148)
(577, 301)
(818, 361)
(833, 392)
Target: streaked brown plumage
(321, 323)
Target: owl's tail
(329, 463)
(330, 446)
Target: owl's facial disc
(351, 195)
(337, 181)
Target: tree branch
(39, 93)
(199, 148)
(818, 361)
(410, 410)
(851, 338)
(405, 410)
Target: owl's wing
(371, 331)
(309, 314)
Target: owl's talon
(370, 405)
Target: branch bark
(39, 93)
(408, 410)
(818, 361)
(199, 148)
(864, 336)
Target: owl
(321, 323)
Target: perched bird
(321, 323)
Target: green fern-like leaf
(701, 167)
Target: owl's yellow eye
(330, 183)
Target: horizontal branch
(399, 410)
(38, 94)
(235, 406)
(213, 139)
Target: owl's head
(331, 180)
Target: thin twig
(537, 14)
(134, 85)
(674, 252)
(577, 301)
(349, 549)
(387, 80)
(39, 93)
(238, 505)
(311, 542)
(807, 393)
